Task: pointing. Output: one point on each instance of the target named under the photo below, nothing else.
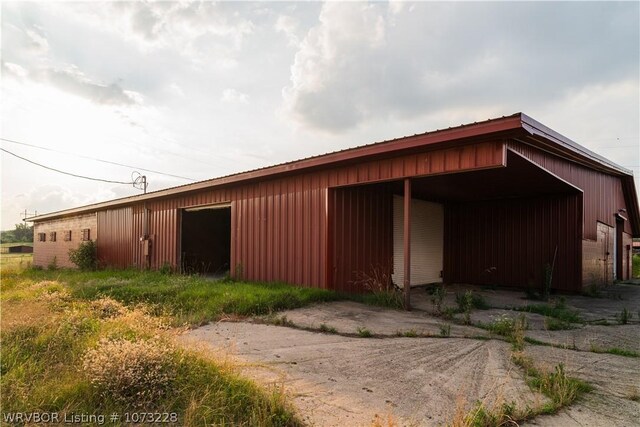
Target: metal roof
(516, 124)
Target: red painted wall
(280, 227)
(508, 242)
(361, 236)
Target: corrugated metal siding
(116, 231)
(280, 226)
(603, 194)
(427, 235)
(279, 231)
(508, 242)
(361, 235)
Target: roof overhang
(518, 126)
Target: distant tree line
(22, 233)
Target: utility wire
(96, 159)
(66, 173)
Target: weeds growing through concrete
(624, 316)
(364, 332)
(328, 329)
(594, 348)
(445, 330)
(438, 293)
(561, 389)
(553, 324)
(561, 313)
(382, 291)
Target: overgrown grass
(513, 329)
(42, 359)
(324, 328)
(614, 350)
(558, 312)
(189, 300)
(561, 389)
(470, 300)
(13, 262)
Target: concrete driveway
(338, 379)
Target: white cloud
(363, 63)
(331, 65)
(74, 81)
(233, 96)
(37, 41)
(289, 27)
(15, 69)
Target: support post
(407, 244)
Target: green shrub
(85, 256)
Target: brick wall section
(44, 252)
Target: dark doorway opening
(206, 241)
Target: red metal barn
(495, 202)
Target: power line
(66, 173)
(96, 159)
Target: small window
(42, 237)
(67, 236)
(86, 234)
(52, 236)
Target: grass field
(103, 342)
(191, 300)
(15, 261)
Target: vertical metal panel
(360, 235)
(509, 242)
(603, 194)
(280, 227)
(116, 243)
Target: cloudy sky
(199, 90)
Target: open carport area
(412, 371)
(501, 226)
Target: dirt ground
(342, 379)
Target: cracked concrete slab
(337, 380)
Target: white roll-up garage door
(427, 236)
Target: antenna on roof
(26, 214)
(139, 181)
